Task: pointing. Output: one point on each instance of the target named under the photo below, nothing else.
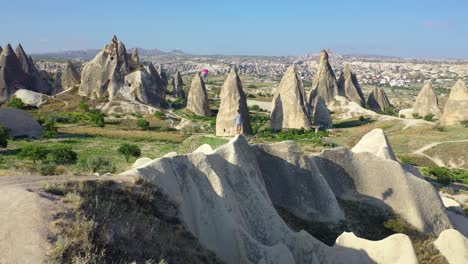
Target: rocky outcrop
(20, 123)
(232, 98)
(324, 84)
(378, 100)
(115, 75)
(31, 98)
(427, 102)
(70, 77)
(369, 173)
(289, 106)
(178, 87)
(17, 71)
(456, 108)
(104, 76)
(321, 115)
(453, 246)
(349, 86)
(227, 197)
(144, 86)
(163, 75)
(197, 101)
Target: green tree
(143, 123)
(33, 152)
(96, 118)
(129, 150)
(51, 129)
(62, 155)
(4, 137)
(16, 102)
(84, 106)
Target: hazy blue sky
(426, 28)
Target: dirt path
(26, 214)
(437, 161)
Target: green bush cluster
(129, 150)
(142, 123)
(16, 102)
(51, 129)
(464, 123)
(58, 154)
(295, 134)
(429, 117)
(96, 118)
(445, 175)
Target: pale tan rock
(70, 76)
(178, 87)
(232, 98)
(36, 80)
(31, 98)
(378, 100)
(453, 246)
(375, 142)
(198, 97)
(324, 83)
(12, 77)
(321, 114)
(350, 87)
(427, 102)
(456, 108)
(145, 86)
(289, 106)
(393, 249)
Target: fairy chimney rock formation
(178, 86)
(104, 75)
(289, 106)
(70, 76)
(325, 84)
(198, 97)
(456, 108)
(321, 115)
(427, 102)
(349, 86)
(232, 99)
(378, 100)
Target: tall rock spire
(70, 76)
(198, 97)
(427, 102)
(321, 114)
(233, 99)
(12, 77)
(178, 86)
(378, 100)
(456, 108)
(289, 106)
(325, 84)
(349, 86)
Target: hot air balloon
(204, 73)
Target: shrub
(142, 123)
(429, 117)
(416, 116)
(97, 164)
(16, 102)
(129, 150)
(442, 174)
(50, 128)
(84, 106)
(464, 123)
(48, 169)
(395, 225)
(253, 86)
(361, 118)
(63, 155)
(159, 115)
(408, 160)
(254, 107)
(96, 118)
(402, 116)
(33, 152)
(3, 137)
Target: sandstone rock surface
(427, 102)
(375, 142)
(456, 108)
(31, 98)
(20, 123)
(289, 106)
(453, 246)
(197, 101)
(232, 98)
(178, 87)
(321, 115)
(350, 87)
(324, 84)
(378, 100)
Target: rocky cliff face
(289, 107)
(232, 99)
